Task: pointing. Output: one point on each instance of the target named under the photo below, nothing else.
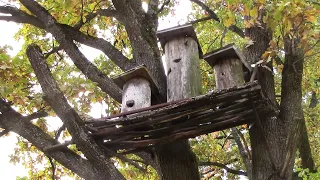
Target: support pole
(177, 161)
(229, 69)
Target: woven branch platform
(187, 118)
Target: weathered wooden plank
(209, 113)
(227, 52)
(170, 34)
(183, 72)
(221, 98)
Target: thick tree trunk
(304, 144)
(274, 139)
(291, 113)
(266, 135)
(305, 150)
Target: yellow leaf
(266, 54)
(311, 18)
(261, 1)
(231, 19)
(308, 53)
(246, 10)
(254, 12)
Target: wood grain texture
(183, 75)
(137, 90)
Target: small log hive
(187, 118)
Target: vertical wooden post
(229, 67)
(177, 161)
(137, 87)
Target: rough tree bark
(15, 122)
(273, 143)
(265, 137)
(304, 144)
(69, 116)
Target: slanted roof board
(227, 52)
(169, 34)
(139, 71)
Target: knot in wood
(130, 103)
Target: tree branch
(67, 114)
(304, 143)
(82, 63)
(106, 47)
(54, 50)
(215, 17)
(225, 167)
(57, 135)
(141, 30)
(36, 115)
(243, 153)
(53, 168)
(4, 132)
(101, 12)
(163, 5)
(12, 121)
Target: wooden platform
(188, 118)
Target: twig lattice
(187, 118)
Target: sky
(9, 171)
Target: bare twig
(53, 168)
(237, 172)
(222, 37)
(54, 50)
(109, 12)
(254, 74)
(199, 20)
(124, 159)
(243, 152)
(162, 6)
(215, 17)
(57, 135)
(245, 144)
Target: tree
(277, 37)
